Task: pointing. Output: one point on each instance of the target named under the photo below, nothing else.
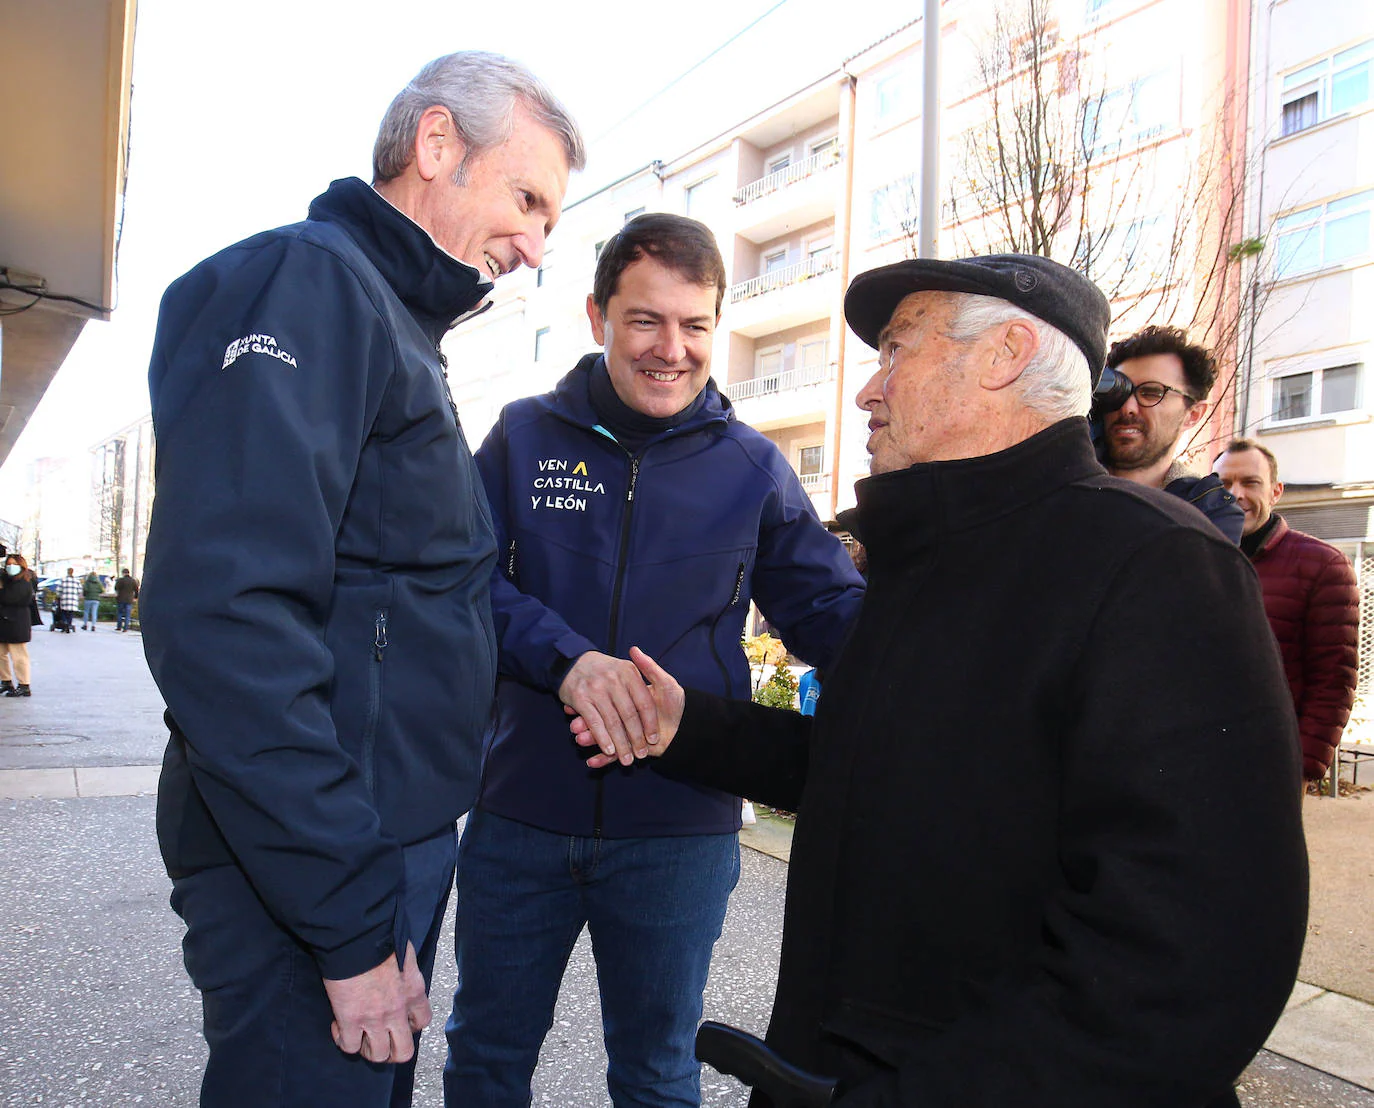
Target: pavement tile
(1301, 994)
(1332, 1033)
(117, 780)
(40, 784)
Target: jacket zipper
(599, 810)
(510, 562)
(724, 669)
(379, 645)
(443, 375)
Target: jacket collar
(1276, 535)
(435, 286)
(571, 400)
(905, 510)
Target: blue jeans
(267, 1015)
(654, 907)
(124, 616)
(90, 612)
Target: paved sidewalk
(93, 731)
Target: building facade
(824, 184)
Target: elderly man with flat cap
(1020, 876)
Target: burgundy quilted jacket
(1313, 605)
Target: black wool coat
(16, 606)
(1049, 847)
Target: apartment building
(121, 498)
(824, 184)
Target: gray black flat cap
(1061, 296)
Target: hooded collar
(571, 400)
(433, 284)
(903, 511)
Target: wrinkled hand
(377, 1013)
(669, 702)
(610, 696)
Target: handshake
(616, 712)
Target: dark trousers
(267, 1016)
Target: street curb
(77, 782)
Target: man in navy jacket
(632, 509)
(316, 609)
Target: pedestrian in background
(69, 597)
(91, 588)
(126, 592)
(16, 625)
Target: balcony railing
(777, 382)
(788, 175)
(781, 278)
(815, 482)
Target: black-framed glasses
(1149, 393)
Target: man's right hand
(668, 697)
(610, 696)
(377, 1013)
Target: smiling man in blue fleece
(633, 509)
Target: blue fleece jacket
(604, 549)
(315, 604)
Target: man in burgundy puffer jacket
(1310, 597)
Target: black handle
(741, 1055)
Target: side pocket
(715, 624)
(374, 700)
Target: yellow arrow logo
(581, 468)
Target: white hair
(481, 91)
(1056, 384)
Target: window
(893, 209)
(815, 354)
(1131, 114)
(817, 250)
(810, 460)
(829, 145)
(1299, 114)
(600, 246)
(895, 95)
(1322, 235)
(541, 275)
(777, 164)
(698, 196)
(541, 343)
(1100, 10)
(1316, 392)
(768, 362)
(1327, 88)
(630, 215)
(775, 260)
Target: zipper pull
(379, 642)
(634, 476)
(510, 561)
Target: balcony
(776, 382)
(815, 482)
(789, 175)
(787, 297)
(795, 196)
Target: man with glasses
(1172, 379)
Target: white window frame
(541, 339)
(1317, 370)
(823, 341)
(890, 223)
(688, 191)
(766, 352)
(902, 79)
(1115, 117)
(1293, 230)
(822, 145)
(1319, 77)
(801, 448)
(766, 256)
(777, 163)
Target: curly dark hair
(1199, 367)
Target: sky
(243, 112)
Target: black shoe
(20, 690)
(5, 687)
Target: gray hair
(481, 91)
(1056, 384)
